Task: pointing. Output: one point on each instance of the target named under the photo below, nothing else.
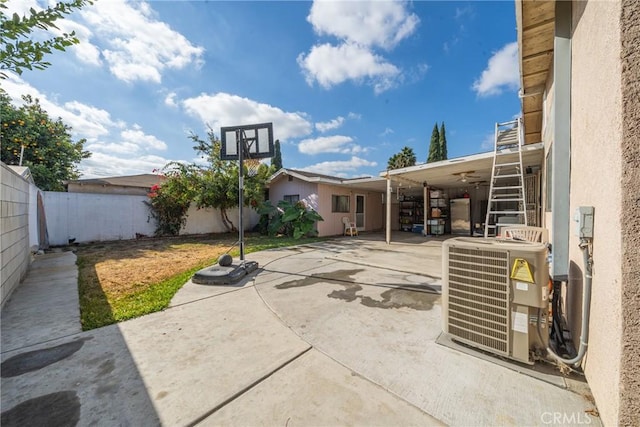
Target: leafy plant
(20, 49)
(291, 219)
(170, 202)
(216, 185)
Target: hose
(586, 304)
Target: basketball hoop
(247, 144)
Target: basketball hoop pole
(241, 145)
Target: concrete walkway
(338, 333)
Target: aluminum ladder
(506, 204)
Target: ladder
(506, 204)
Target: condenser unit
(495, 295)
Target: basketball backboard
(256, 139)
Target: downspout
(561, 149)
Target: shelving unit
(411, 213)
(438, 213)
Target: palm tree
(406, 157)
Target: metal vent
(478, 306)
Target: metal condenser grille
(478, 297)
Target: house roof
(141, 181)
(536, 29)
(444, 174)
(370, 183)
(447, 173)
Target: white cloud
(360, 27)
(488, 142)
(223, 109)
(21, 7)
(387, 131)
(117, 149)
(339, 168)
(170, 100)
(330, 144)
(502, 72)
(330, 125)
(330, 65)
(85, 51)
(146, 142)
(104, 164)
(354, 116)
(87, 121)
(135, 45)
(462, 12)
(367, 23)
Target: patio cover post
(388, 207)
(425, 206)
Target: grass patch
(127, 279)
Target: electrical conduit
(586, 304)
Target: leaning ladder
(506, 191)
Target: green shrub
(291, 219)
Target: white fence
(88, 217)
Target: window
(292, 198)
(339, 203)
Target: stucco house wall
(318, 196)
(332, 224)
(596, 165)
(605, 173)
(282, 186)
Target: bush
(290, 219)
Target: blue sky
(346, 84)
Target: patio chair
(349, 227)
(528, 233)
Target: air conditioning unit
(495, 295)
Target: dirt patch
(124, 267)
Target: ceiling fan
(464, 176)
(479, 184)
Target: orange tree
(27, 133)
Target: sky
(346, 84)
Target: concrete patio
(337, 333)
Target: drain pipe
(585, 245)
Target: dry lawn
(124, 267)
(126, 279)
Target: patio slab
(336, 333)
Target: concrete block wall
(14, 230)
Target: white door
(360, 212)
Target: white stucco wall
(596, 132)
(90, 217)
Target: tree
(406, 157)
(216, 185)
(29, 137)
(442, 143)
(276, 160)
(20, 50)
(434, 146)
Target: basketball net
(252, 166)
